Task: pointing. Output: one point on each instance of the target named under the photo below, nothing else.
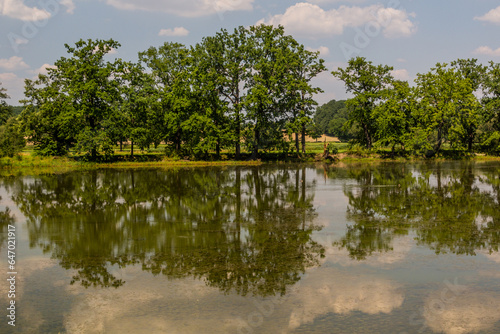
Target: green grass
(28, 162)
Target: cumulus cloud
(323, 50)
(69, 4)
(18, 10)
(14, 85)
(493, 16)
(13, 64)
(470, 312)
(177, 31)
(310, 20)
(43, 69)
(486, 50)
(332, 291)
(401, 74)
(187, 8)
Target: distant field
(329, 139)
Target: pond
(359, 248)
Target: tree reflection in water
(246, 230)
(450, 207)
(6, 219)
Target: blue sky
(410, 35)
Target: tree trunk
(297, 146)
(368, 137)
(255, 152)
(238, 145)
(303, 139)
(469, 144)
(178, 141)
(121, 145)
(131, 148)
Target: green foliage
(332, 149)
(11, 138)
(447, 107)
(74, 101)
(331, 119)
(5, 110)
(369, 84)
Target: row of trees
(11, 138)
(248, 87)
(458, 103)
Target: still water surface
(387, 248)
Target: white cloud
(14, 86)
(312, 21)
(43, 69)
(493, 16)
(468, 312)
(18, 10)
(186, 8)
(177, 31)
(70, 6)
(401, 74)
(486, 50)
(332, 291)
(323, 50)
(13, 64)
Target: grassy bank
(122, 159)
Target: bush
(332, 149)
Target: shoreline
(28, 164)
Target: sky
(409, 35)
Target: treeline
(250, 87)
(11, 137)
(457, 104)
(330, 119)
(246, 90)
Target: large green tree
(394, 116)
(228, 55)
(171, 66)
(369, 84)
(491, 103)
(303, 66)
(74, 102)
(447, 106)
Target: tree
(131, 120)
(394, 116)
(5, 110)
(279, 92)
(446, 103)
(229, 54)
(265, 104)
(303, 66)
(79, 95)
(217, 128)
(48, 119)
(369, 84)
(11, 138)
(170, 66)
(491, 104)
(327, 112)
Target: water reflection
(241, 230)
(6, 219)
(451, 208)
